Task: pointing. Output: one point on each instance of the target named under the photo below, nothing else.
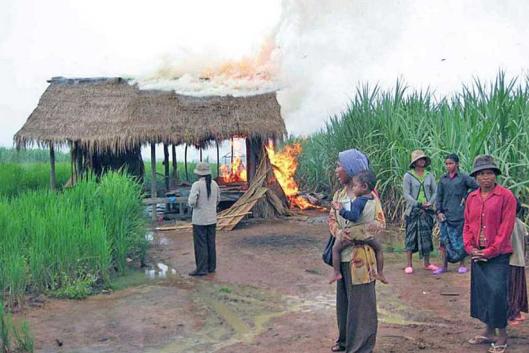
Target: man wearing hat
(204, 198)
(419, 190)
(490, 213)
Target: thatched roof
(110, 114)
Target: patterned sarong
(452, 241)
(419, 225)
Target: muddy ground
(270, 294)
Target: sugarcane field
(264, 176)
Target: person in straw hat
(490, 213)
(419, 190)
(204, 198)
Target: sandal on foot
(337, 348)
(514, 322)
(462, 269)
(481, 340)
(408, 270)
(439, 271)
(431, 267)
(497, 348)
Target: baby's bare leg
(379, 254)
(339, 245)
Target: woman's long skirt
(419, 226)
(489, 281)
(517, 292)
(356, 311)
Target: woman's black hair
(208, 184)
(454, 157)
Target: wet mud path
(270, 294)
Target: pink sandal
(431, 267)
(408, 270)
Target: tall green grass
(11, 155)
(482, 118)
(51, 241)
(16, 178)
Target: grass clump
(14, 338)
(68, 243)
(16, 178)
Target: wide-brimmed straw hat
(484, 162)
(419, 154)
(202, 168)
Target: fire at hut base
(285, 164)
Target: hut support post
(231, 160)
(201, 154)
(253, 150)
(53, 179)
(166, 165)
(175, 165)
(185, 162)
(73, 166)
(218, 159)
(153, 179)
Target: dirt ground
(270, 294)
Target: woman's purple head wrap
(353, 161)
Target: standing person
(517, 281)
(490, 213)
(356, 304)
(204, 198)
(363, 185)
(419, 189)
(452, 192)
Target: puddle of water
(160, 271)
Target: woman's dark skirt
(356, 311)
(517, 292)
(489, 281)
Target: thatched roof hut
(109, 114)
(106, 120)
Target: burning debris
(285, 164)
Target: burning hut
(105, 121)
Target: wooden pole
(231, 161)
(175, 164)
(53, 179)
(153, 179)
(185, 163)
(73, 168)
(166, 165)
(201, 154)
(218, 159)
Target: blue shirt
(357, 207)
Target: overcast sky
(324, 48)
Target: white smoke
(321, 51)
(327, 48)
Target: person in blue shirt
(452, 192)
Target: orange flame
(259, 67)
(284, 164)
(236, 172)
